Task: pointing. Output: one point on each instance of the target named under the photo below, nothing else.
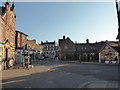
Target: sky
(96, 21)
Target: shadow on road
(70, 75)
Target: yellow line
(12, 82)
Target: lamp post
(118, 36)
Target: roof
(2, 10)
(115, 48)
(118, 36)
(61, 40)
(44, 43)
(100, 43)
(85, 44)
(22, 33)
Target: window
(1, 50)
(91, 47)
(18, 35)
(81, 47)
(65, 47)
(24, 38)
(7, 33)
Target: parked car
(45, 56)
(41, 58)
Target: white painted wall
(118, 58)
(99, 58)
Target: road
(62, 74)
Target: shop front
(1, 55)
(7, 56)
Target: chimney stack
(41, 42)
(64, 37)
(7, 4)
(87, 40)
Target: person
(27, 62)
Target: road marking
(12, 82)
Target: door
(6, 58)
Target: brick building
(20, 45)
(7, 42)
(20, 40)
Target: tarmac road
(62, 74)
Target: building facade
(8, 27)
(109, 54)
(1, 46)
(49, 49)
(34, 50)
(20, 45)
(67, 49)
(88, 51)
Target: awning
(2, 43)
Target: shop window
(1, 51)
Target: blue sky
(43, 21)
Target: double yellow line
(12, 82)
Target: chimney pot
(63, 37)
(87, 40)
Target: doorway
(6, 59)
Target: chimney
(75, 42)
(64, 37)
(13, 6)
(106, 41)
(87, 41)
(41, 42)
(7, 4)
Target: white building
(49, 48)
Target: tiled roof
(118, 36)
